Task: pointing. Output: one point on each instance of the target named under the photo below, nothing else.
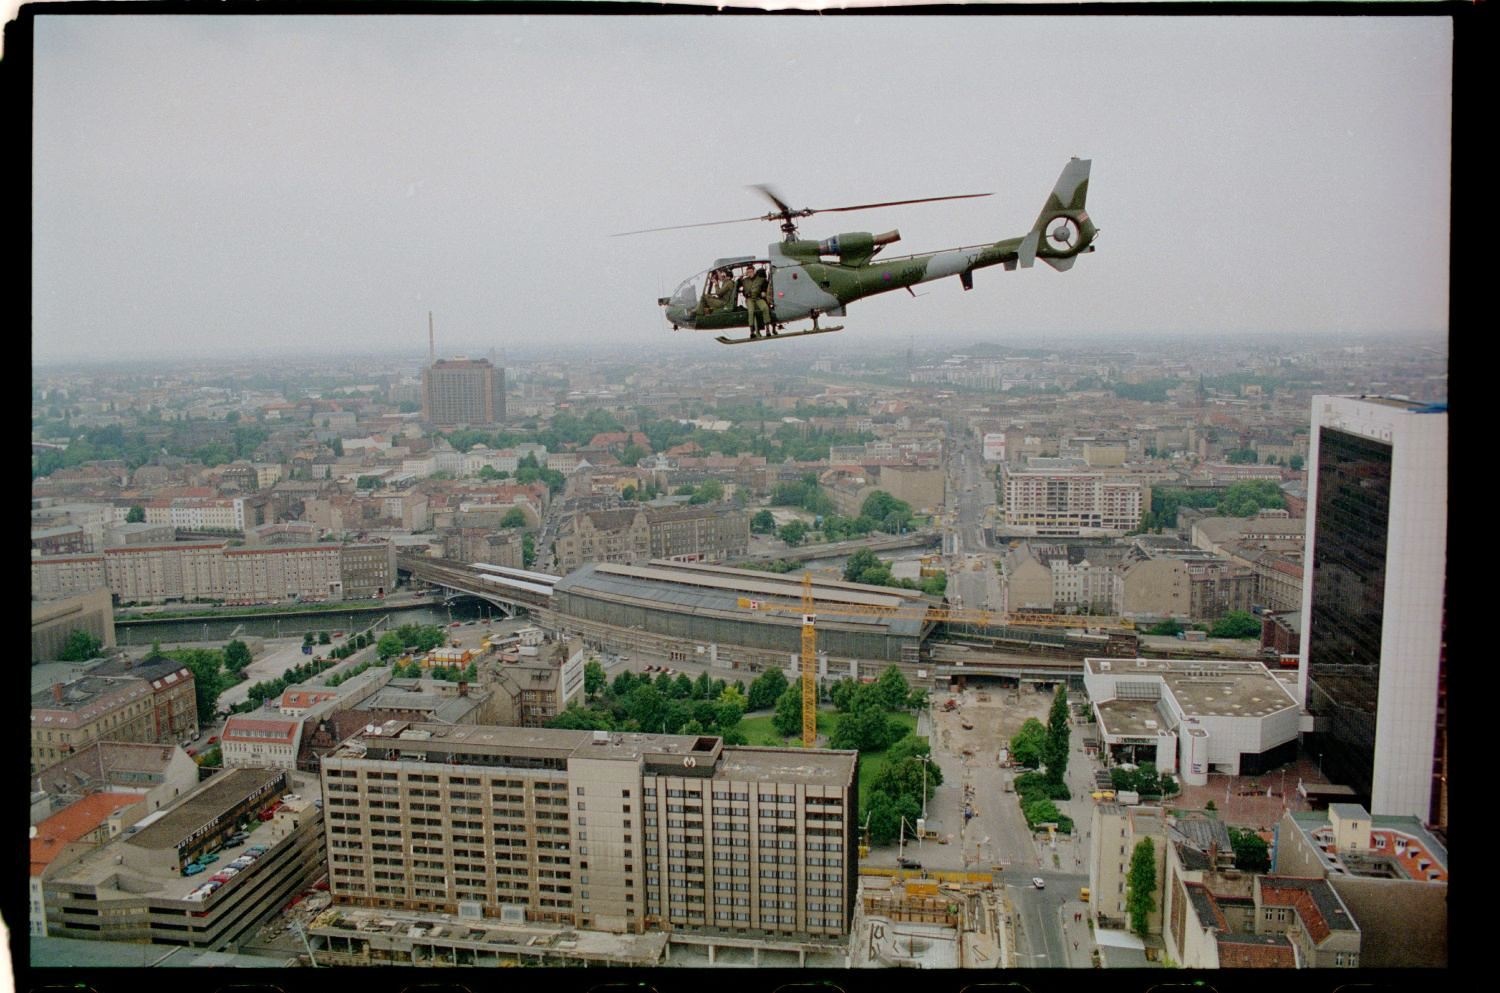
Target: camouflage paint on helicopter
(810, 279)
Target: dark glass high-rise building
(1373, 651)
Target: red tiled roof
(67, 826)
(1300, 900)
(1255, 952)
(305, 698)
(236, 728)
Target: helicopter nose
(677, 314)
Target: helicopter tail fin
(1074, 234)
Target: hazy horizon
(263, 185)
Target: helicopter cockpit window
(686, 294)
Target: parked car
(192, 869)
(907, 863)
(1038, 882)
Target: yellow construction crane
(924, 612)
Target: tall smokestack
(431, 342)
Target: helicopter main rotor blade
(705, 224)
(767, 192)
(895, 203)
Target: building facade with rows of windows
(609, 831)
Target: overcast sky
(213, 185)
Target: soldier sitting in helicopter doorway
(719, 294)
(753, 285)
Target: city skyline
(331, 180)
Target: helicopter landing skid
(777, 337)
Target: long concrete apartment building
(606, 831)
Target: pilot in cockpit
(720, 293)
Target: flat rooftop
(221, 793)
(116, 880)
(536, 743)
(1204, 687)
(829, 768)
(388, 928)
(690, 588)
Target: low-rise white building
(1193, 717)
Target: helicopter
(811, 279)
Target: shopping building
(137, 887)
(1193, 717)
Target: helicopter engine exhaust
(856, 247)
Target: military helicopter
(811, 279)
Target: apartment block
(622, 536)
(463, 393)
(69, 717)
(698, 534)
(609, 831)
(1070, 502)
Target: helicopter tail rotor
(1062, 230)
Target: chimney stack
(463, 687)
(57, 692)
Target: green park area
(876, 718)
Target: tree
(207, 667)
(1241, 456)
(1028, 744)
(788, 717)
(734, 695)
(135, 515)
(389, 646)
(1055, 748)
(647, 707)
(1140, 898)
(236, 656)
(324, 638)
(593, 678)
(1168, 628)
(80, 646)
(792, 532)
(859, 563)
(1251, 853)
(1295, 463)
(514, 518)
(578, 718)
(763, 523)
(727, 714)
(528, 551)
(703, 687)
(842, 694)
(865, 727)
(892, 689)
(892, 514)
(1236, 624)
(711, 491)
(766, 690)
